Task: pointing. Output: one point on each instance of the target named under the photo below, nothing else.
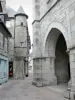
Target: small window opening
(21, 23)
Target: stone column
(44, 71)
(69, 84)
(48, 71)
(70, 81)
(72, 68)
(53, 80)
(37, 72)
(18, 68)
(37, 59)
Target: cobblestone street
(23, 90)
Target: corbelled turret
(21, 28)
(21, 12)
(21, 44)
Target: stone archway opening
(62, 67)
(57, 59)
(56, 68)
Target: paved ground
(23, 90)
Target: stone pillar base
(43, 71)
(72, 95)
(72, 67)
(67, 94)
(19, 69)
(69, 85)
(33, 83)
(53, 81)
(38, 84)
(72, 92)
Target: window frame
(5, 44)
(1, 40)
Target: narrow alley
(24, 90)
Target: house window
(21, 23)
(5, 45)
(1, 40)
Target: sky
(27, 6)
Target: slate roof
(21, 12)
(10, 12)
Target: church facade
(54, 43)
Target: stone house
(19, 43)
(54, 43)
(4, 41)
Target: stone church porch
(56, 66)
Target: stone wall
(48, 18)
(62, 13)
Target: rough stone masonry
(54, 43)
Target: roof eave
(21, 15)
(6, 29)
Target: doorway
(10, 69)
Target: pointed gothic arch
(54, 31)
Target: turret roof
(21, 12)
